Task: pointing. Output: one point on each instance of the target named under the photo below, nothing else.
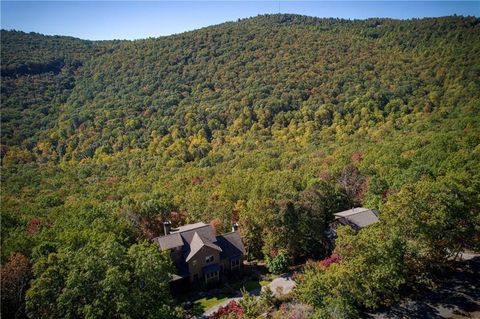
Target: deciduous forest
(275, 122)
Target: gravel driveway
(282, 285)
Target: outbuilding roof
(359, 217)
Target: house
(357, 218)
(198, 254)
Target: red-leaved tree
(232, 307)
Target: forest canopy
(275, 122)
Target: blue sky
(133, 20)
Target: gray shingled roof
(189, 227)
(231, 244)
(169, 241)
(359, 216)
(192, 238)
(184, 234)
(197, 244)
(204, 230)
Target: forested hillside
(276, 122)
(38, 74)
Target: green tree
(437, 219)
(369, 274)
(278, 262)
(102, 279)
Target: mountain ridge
(167, 63)
(274, 126)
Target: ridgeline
(276, 122)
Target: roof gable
(197, 244)
(205, 231)
(195, 237)
(183, 235)
(231, 244)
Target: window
(211, 275)
(209, 259)
(235, 263)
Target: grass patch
(208, 302)
(249, 285)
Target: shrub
(266, 299)
(294, 311)
(369, 275)
(278, 263)
(250, 304)
(232, 309)
(333, 259)
(336, 308)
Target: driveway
(282, 285)
(457, 296)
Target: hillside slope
(38, 74)
(262, 73)
(276, 122)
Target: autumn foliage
(112, 136)
(232, 308)
(217, 225)
(333, 259)
(33, 226)
(14, 278)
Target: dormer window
(209, 259)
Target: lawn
(250, 285)
(208, 302)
